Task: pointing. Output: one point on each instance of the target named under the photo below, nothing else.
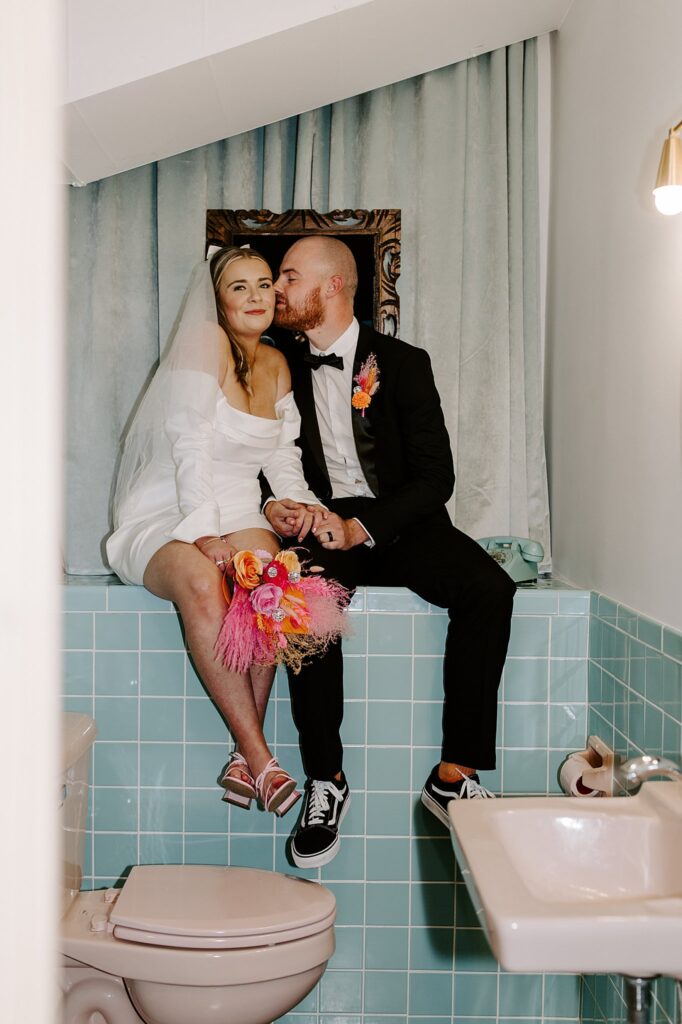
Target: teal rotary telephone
(518, 556)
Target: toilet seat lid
(218, 907)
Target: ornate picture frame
(373, 236)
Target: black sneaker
(436, 794)
(316, 840)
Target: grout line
(185, 663)
(411, 839)
(139, 724)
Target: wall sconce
(668, 191)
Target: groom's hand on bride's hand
(309, 517)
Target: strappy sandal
(276, 789)
(238, 782)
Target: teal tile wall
(635, 704)
(161, 746)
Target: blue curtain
(456, 150)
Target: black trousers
(446, 568)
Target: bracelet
(208, 540)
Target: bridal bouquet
(277, 613)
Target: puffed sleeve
(283, 466)
(191, 431)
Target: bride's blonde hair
(220, 261)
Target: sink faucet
(631, 774)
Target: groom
(376, 451)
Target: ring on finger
(330, 535)
(222, 562)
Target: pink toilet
(210, 945)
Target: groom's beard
(304, 317)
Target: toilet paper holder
(589, 772)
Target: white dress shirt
(332, 391)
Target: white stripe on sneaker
(469, 790)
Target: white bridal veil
(184, 385)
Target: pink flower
(265, 598)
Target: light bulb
(668, 199)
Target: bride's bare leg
(180, 573)
(262, 676)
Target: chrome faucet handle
(632, 773)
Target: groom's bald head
(329, 256)
(316, 286)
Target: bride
(218, 411)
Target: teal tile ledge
(107, 593)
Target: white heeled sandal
(273, 796)
(238, 782)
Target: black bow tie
(316, 361)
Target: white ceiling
(148, 80)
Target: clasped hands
(292, 519)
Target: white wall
(615, 307)
(136, 94)
(30, 519)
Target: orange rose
(289, 560)
(247, 569)
(360, 400)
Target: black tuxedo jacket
(402, 441)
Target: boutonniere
(366, 383)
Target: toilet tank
(78, 736)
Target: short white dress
(206, 484)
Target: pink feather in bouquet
(277, 614)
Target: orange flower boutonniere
(366, 384)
